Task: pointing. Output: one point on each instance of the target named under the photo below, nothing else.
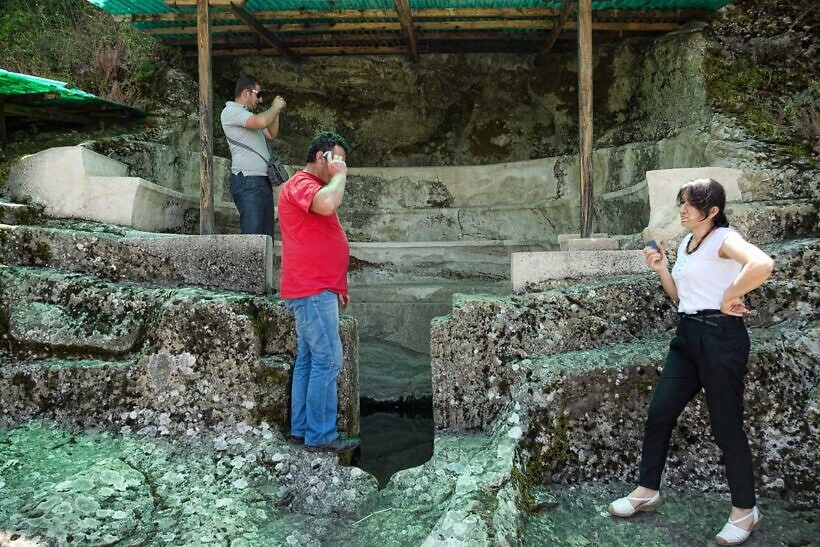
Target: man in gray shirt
(250, 189)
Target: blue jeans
(318, 362)
(254, 200)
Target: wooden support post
(206, 120)
(585, 112)
(556, 32)
(406, 19)
(264, 33)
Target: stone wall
(80, 348)
(477, 109)
(473, 349)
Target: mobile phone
(328, 155)
(652, 243)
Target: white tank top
(702, 277)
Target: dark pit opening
(396, 420)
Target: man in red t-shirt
(315, 258)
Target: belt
(704, 316)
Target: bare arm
(656, 260)
(757, 267)
(329, 198)
(272, 130)
(264, 120)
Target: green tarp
(13, 86)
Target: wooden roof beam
(523, 24)
(406, 19)
(557, 27)
(315, 50)
(295, 40)
(346, 14)
(431, 13)
(263, 33)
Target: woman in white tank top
(715, 268)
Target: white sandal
(623, 508)
(732, 534)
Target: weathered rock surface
(237, 263)
(18, 213)
(391, 374)
(587, 411)
(469, 493)
(576, 515)
(241, 485)
(182, 355)
(649, 89)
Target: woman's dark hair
(324, 141)
(703, 194)
(244, 82)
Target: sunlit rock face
(76, 347)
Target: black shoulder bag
(277, 174)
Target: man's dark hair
(703, 194)
(244, 82)
(324, 141)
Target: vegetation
(765, 72)
(73, 41)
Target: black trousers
(710, 352)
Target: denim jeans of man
(318, 362)
(253, 197)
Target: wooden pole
(264, 33)
(585, 112)
(556, 32)
(206, 120)
(406, 19)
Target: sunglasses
(257, 93)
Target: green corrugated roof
(13, 83)
(302, 24)
(151, 7)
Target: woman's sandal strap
(741, 519)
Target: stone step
(235, 262)
(621, 212)
(75, 182)
(18, 213)
(483, 333)
(196, 355)
(469, 259)
(586, 411)
(770, 221)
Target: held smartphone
(652, 243)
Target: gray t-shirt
(233, 118)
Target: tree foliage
(73, 41)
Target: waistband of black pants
(707, 317)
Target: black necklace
(688, 251)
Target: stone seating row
(78, 348)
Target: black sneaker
(336, 446)
(293, 439)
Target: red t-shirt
(315, 253)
